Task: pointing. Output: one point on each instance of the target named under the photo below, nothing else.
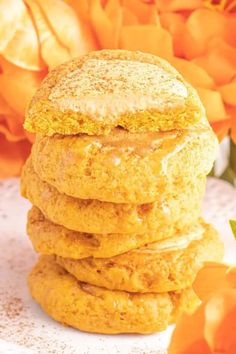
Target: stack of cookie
(116, 176)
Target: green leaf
(229, 176)
(232, 156)
(233, 227)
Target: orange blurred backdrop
(196, 36)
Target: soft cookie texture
(96, 92)
(49, 238)
(52, 239)
(172, 211)
(116, 177)
(94, 309)
(162, 266)
(124, 167)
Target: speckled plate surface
(24, 328)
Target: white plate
(25, 329)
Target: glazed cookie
(173, 211)
(162, 266)
(96, 92)
(124, 167)
(49, 239)
(93, 309)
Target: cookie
(96, 92)
(124, 167)
(162, 266)
(49, 238)
(173, 211)
(94, 309)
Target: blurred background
(198, 37)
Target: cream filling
(180, 146)
(174, 243)
(110, 88)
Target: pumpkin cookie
(174, 211)
(93, 309)
(49, 239)
(96, 92)
(124, 167)
(162, 266)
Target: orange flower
(211, 329)
(196, 36)
(35, 36)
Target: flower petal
(221, 128)
(52, 51)
(4, 108)
(201, 26)
(144, 12)
(81, 7)
(219, 61)
(220, 324)
(230, 30)
(228, 93)
(10, 123)
(66, 26)
(129, 18)
(188, 335)
(231, 276)
(82, 10)
(12, 157)
(101, 25)
(193, 73)
(147, 38)
(10, 13)
(17, 86)
(178, 5)
(213, 103)
(23, 48)
(114, 13)
(11, 128)
(175, 24)
(209, 279)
